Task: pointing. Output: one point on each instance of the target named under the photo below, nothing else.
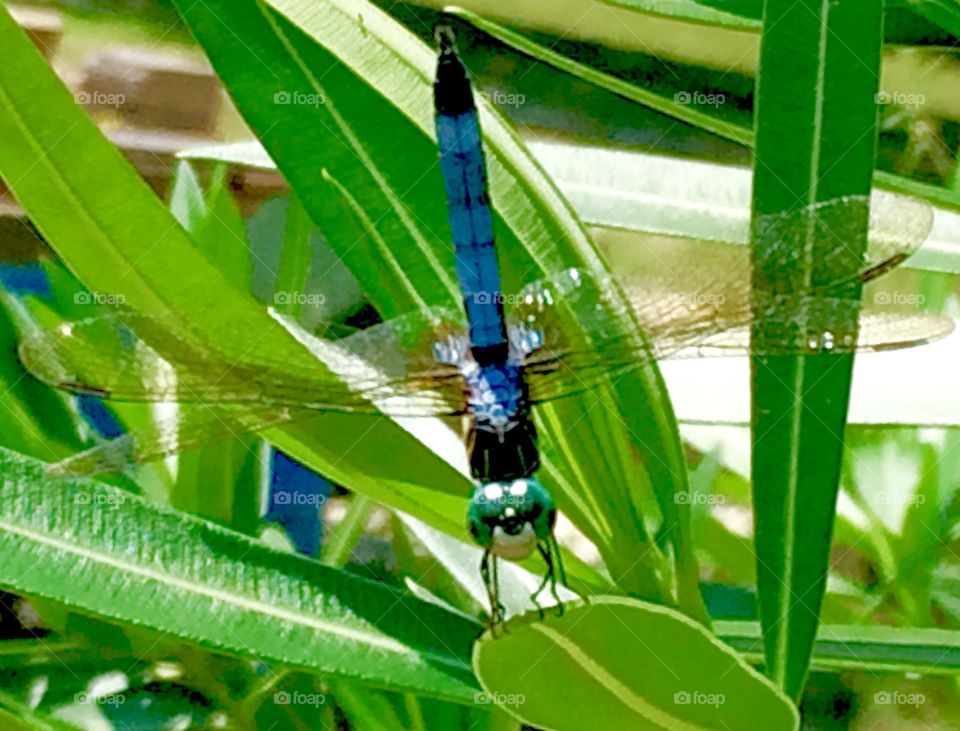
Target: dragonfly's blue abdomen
(471, 219)
(502, 440)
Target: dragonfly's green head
(510, 518)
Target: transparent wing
(194, 425)
(695, 307)
(692, 307)
(389, 368)
(572, 360)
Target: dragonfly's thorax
(501, 439)
(497, 392)
(456, 350)
(497, 397)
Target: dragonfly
(497, 359)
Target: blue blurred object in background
(98, 416)
(296, 496)
(29, 278)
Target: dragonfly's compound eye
(510, 518)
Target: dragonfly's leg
(489, 574)
(553, 548)
(562, 572)
(556, 551)
(501, 613)
(548, 577)
(486, 578)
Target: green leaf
(371, 710)
(295, 271)
(626, 664)
(178, 575)
(220, 482)
(295, 258)
(186, 197)
(368, 710)
(946, 590)
(876, 649)
(816, 130)
(943, 13)
(337, 547)
(20, 716)
(919, 546)
(670, 107)
(222, 234)
(37, 652)
(695, 12)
